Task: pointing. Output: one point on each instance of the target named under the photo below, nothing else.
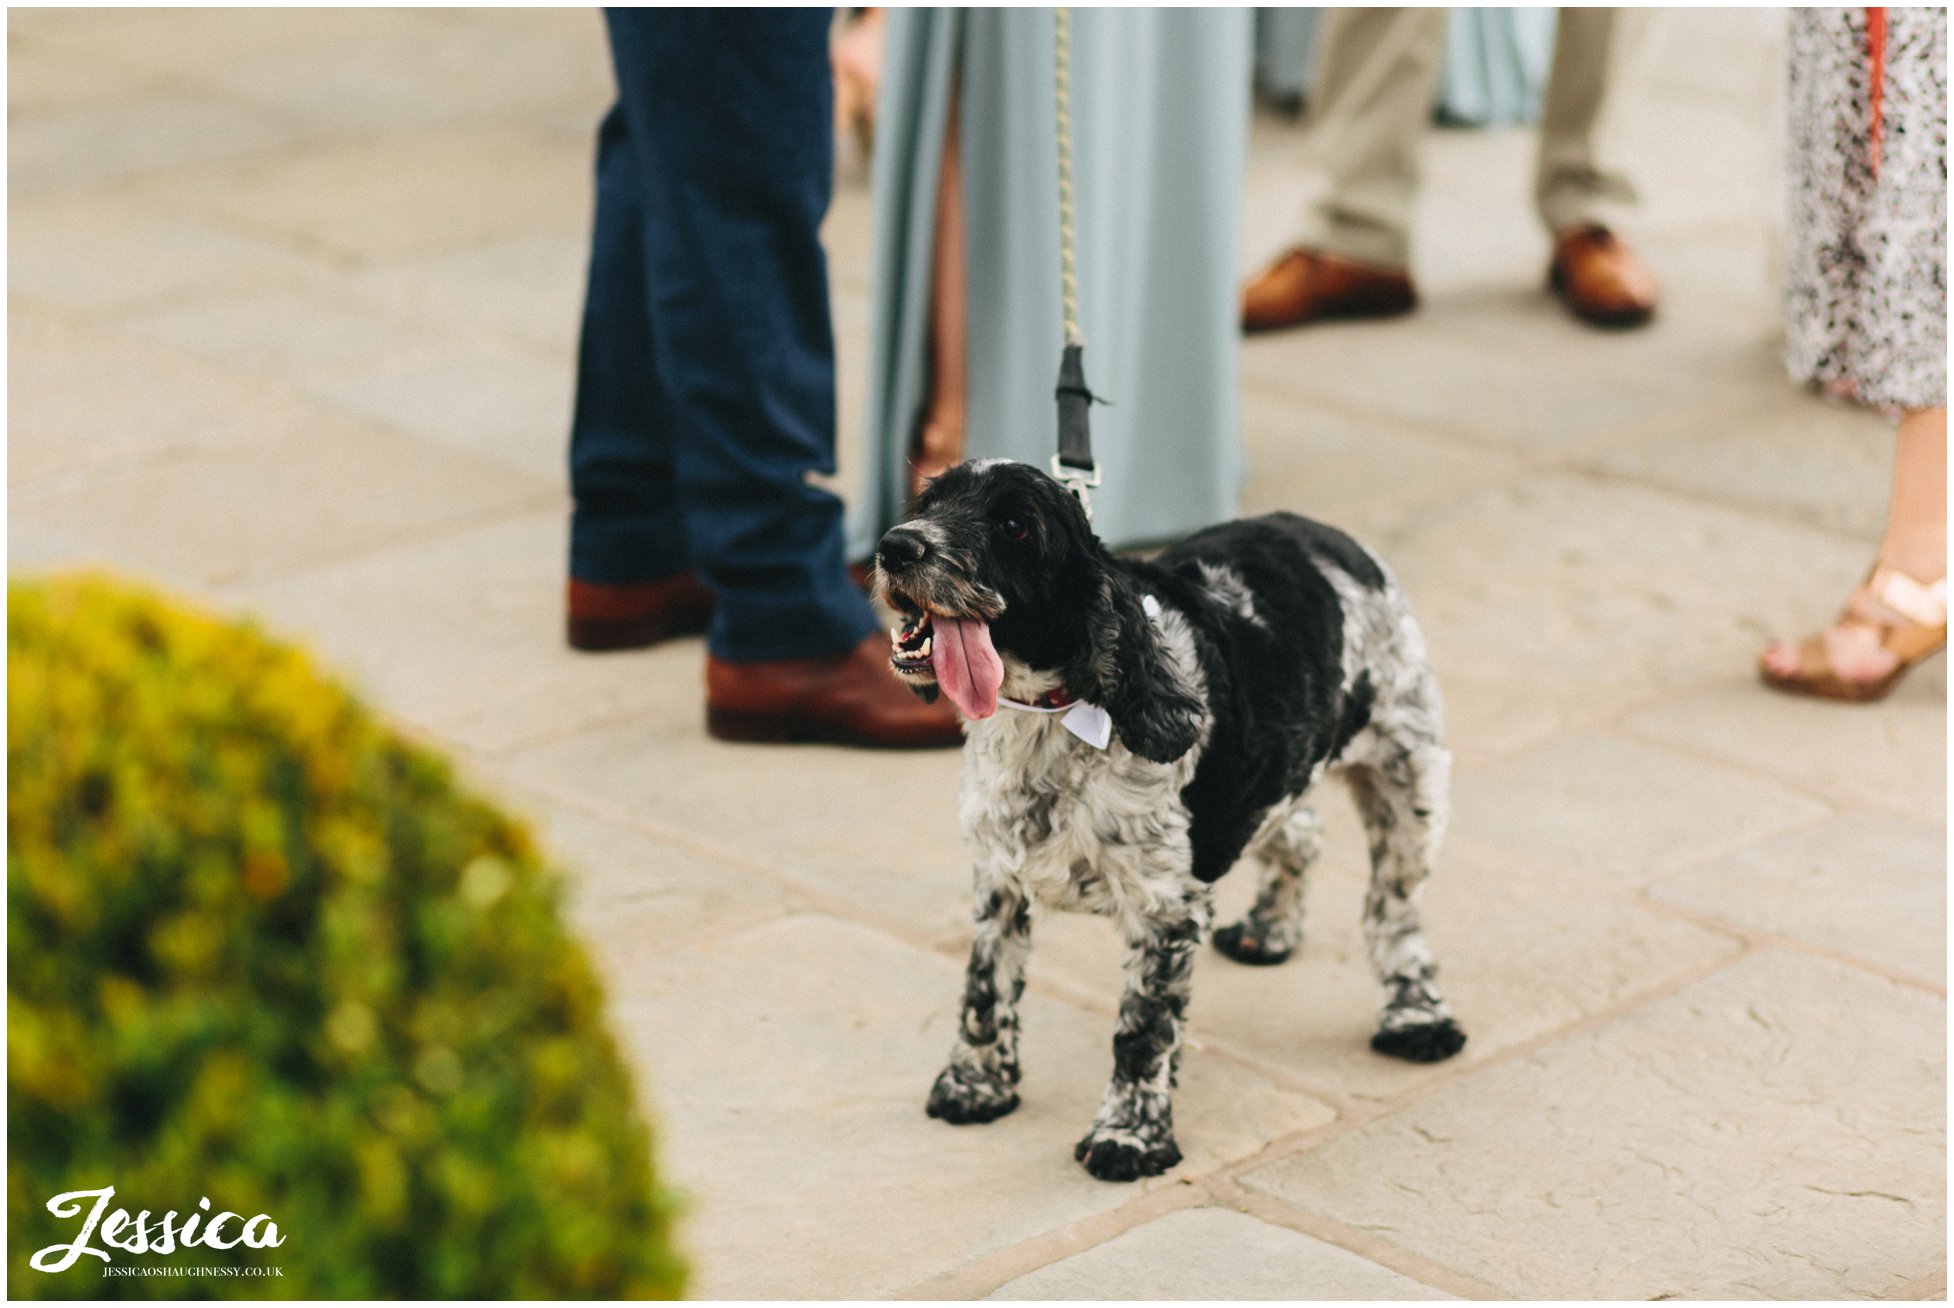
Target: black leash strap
(1075, 414)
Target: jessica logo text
(136, 1235)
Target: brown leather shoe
(849, 699)
(604, 617)
(1600, 279)
(1308, 285)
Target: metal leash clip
(1077, 480)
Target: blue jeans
(705, 379)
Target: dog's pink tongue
(967, 666)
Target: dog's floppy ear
(1129, 674)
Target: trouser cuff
(754, 631)
(1360, 240)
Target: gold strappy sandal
(1910, 619)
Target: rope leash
(1068, 279)
(1073, 465)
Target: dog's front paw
(963, 1095)
(1124, 1155)
(1421, 1042)
(1241, 943)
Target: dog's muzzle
(936, 646)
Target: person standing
(706, 388)
(967, 325)
(1866, 314)
(1377, 74)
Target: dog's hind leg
(1273, 928)
(1133, 1134)
(981, 1082)
(1401, 793)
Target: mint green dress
(1160, 104)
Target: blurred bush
(264, 951)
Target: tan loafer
(1310, 286)
(1600, 280)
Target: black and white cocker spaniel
(1135, 727)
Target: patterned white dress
(1866, 279)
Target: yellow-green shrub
(262, 950)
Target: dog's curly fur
(1281, 649)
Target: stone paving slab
(285, 333)
(80, 399)
(1712, 165)
(400, 194)
(1773, 1131)
(501, 404)
(790, 1065)
(1692, 53)
(885, 838)
(406, 69)
(1320, 465)
(1214, 1253)
(1718, 339)
(466, 634)
(45, 80)
(181, 40)
(118, 141)
(332, 487)
(1555, 600)
(34, 549)
(379, 71)
(1798, 457)
(1496, 929)
(529, 290)
(1890, 756)
(95, 254)
(1488, 395)
(632, 896)
(1599, 806)
(1872, 887)
(1733, 275)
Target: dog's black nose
(901, 547)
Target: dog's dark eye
(1015, 528)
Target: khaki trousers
(1377, 76)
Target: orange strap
(1876, 50)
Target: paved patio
(292, 311)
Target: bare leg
(856, 57)
(1133, 1134)
(980, 1084)
(1916, 517)
(1273, 928)
(1403, 802)
(1915, 543)
(940, 443)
